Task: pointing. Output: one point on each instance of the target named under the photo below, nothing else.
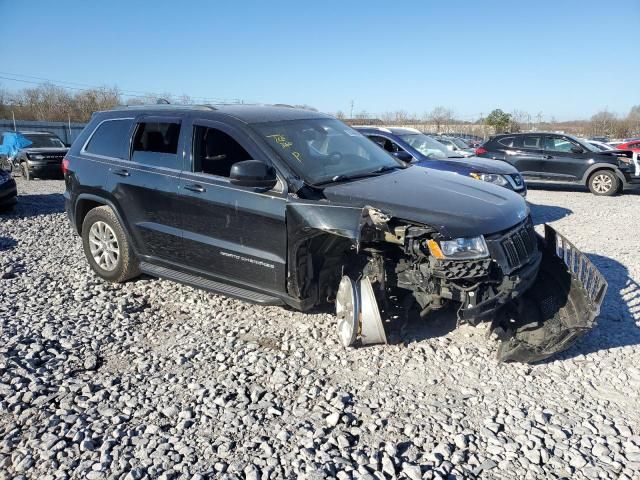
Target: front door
(565, 160)
(232, 232)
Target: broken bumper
(561, 305)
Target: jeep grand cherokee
(277, 205)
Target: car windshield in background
(460, 143)
(325, 150)
(427, 146)
(43, 141)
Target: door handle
(547, 157)
(195, 188)
(121, 173)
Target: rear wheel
(24, 169)
(604, 182)
(106, 246)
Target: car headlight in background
(459, 248)
(36, 157)
(491, 178)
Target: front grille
(519, 244)
(517, 180)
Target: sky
(564, 58)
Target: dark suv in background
(557, 158)
(41, 156)
(278, 205)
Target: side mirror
(253, 173)
(402, 155)
(577, 150)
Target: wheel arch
(87, 202)
(602, 166)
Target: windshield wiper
(373, 173)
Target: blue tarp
(12, 142)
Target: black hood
(453, 204)
(482, 165)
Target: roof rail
(167, 106)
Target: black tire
(126, 265)
(603, 183)
(24, 169)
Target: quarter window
(156, 143)
(111, 139)
(215, 152)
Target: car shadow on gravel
(7, 243)
(619, 322)
(35, 205)
(547, 213)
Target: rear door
(565, 160)
(236, 233)
(146, 187)
(525, 152)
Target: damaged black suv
(276, 205)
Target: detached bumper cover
(561, 305)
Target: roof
(247, 113)
(392, 130)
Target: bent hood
(455, 205)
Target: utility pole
(13, 115)
(539, 117)
(351, 114)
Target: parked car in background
(455, 145)
(411, 145)
(633, 145)
(555, 158)
(35, 154)
(285, 206)
(599, 139)
(8, 190)
(599, 145)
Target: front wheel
(604, 182)
(106, 246)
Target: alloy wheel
(602, 183)
(104, 246)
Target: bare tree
(602, 123)
(519, 120)
(440, 116)
(339, 115)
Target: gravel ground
(151, 379)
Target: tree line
(48, 102)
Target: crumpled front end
(559, 307)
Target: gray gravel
(156, 380)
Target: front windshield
(427, 146)
(322, 150)
(43, 141)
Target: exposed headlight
(491, 178)
(459, 248)
(36, 157)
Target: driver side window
(558, 144)
(215, 152)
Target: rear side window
(111, 139)
(156, 143)
(506, 141)
(528, 141)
